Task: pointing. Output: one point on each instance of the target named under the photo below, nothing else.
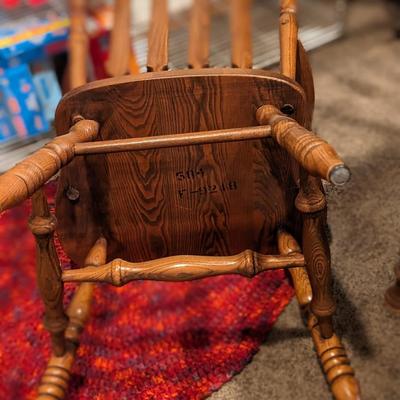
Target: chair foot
(55, 380)
(335, 363)
(392, 295)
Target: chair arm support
(314, 154)
(182, 268)
(21, 181)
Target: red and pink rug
(147, 340)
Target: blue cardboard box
(21, 102)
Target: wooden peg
(199, 34)
(21, 181)
(288, 32)
(182, 268)
(48, 271)
(54, 382)
(313, 153)
(157, 58)
(240, 16)
(78, 44)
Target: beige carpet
(358, 111)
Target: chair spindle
(199, 34)
(240, 22)
(157, 58)
(288, 32)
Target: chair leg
(317, 257)
(392, 295)
(331, 353)
(335, 363)
(55, 380)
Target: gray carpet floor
(358, 110)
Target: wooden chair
(181, 175)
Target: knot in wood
(42, 226)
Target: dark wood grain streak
(199, 34)
(157, 58)
(139, 200)
(48, 271)
(240, 22)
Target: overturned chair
(181, 175)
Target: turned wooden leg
(331, 353)
(335, 363)
(48, 271)
(392, 295)
(311, 203)
(55, 380)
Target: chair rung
(180, 139)
(183, 268)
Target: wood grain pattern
(312, 152)
(54, 382)
(240, 22)
(288, 31)
(157, 57)
(21, 181)
(48, 271)
(335, 363)
(317, 255)
(183, 268)
(168, 141)
(288, 245)
(199, 34)
(215, 199)
(120, 49)
(78, 44)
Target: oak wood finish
(305, 78)
(181, 167)
(29, 175)
(183, 268)
(48, 271)
(168, 141)
(78, 43)
(392, 295)
(288, 31)
(118, 62)
(199, 34)
(313, 153)
(240, 23)
(157, 58)
(54, 383)
(335, 363)
(236, 186)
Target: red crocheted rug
(147, 340)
